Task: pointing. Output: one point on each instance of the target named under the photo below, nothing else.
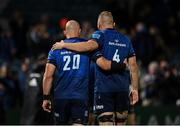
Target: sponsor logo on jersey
(117, 44)
(97, 36)
(65, 52)
(116, 40)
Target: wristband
(46, 97)
(117, 67)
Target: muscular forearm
(81, 46)
(47, 85)
(134, 75)
(103, 63)
(113, 66)
(48, 78)
(134, 78)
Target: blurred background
(28, 28)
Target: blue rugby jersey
(72, 72)
(117, 47)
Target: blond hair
(105, 18)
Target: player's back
(73, 73)
(117, 47)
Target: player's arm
(113, 66)
(86, 46)
(134, 79)
(48, 78)
(106, 64)
(47, 85)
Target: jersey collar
(109, 28)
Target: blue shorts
(70, 111)
(111, 102)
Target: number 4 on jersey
(116, 56)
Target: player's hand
(58, 45)
(46, 105)
(134, 97)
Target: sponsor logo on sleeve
(97, 36)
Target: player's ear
(98, 25)
(79, 31)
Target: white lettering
(117, 44)
(66, 52)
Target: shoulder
(53, 52)
(97, 34)
(125, 38)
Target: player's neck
(72, 36)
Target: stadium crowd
(155, 36)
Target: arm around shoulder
(86, 46)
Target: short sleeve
(131, 50)
(99, 37)
(52, 57)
